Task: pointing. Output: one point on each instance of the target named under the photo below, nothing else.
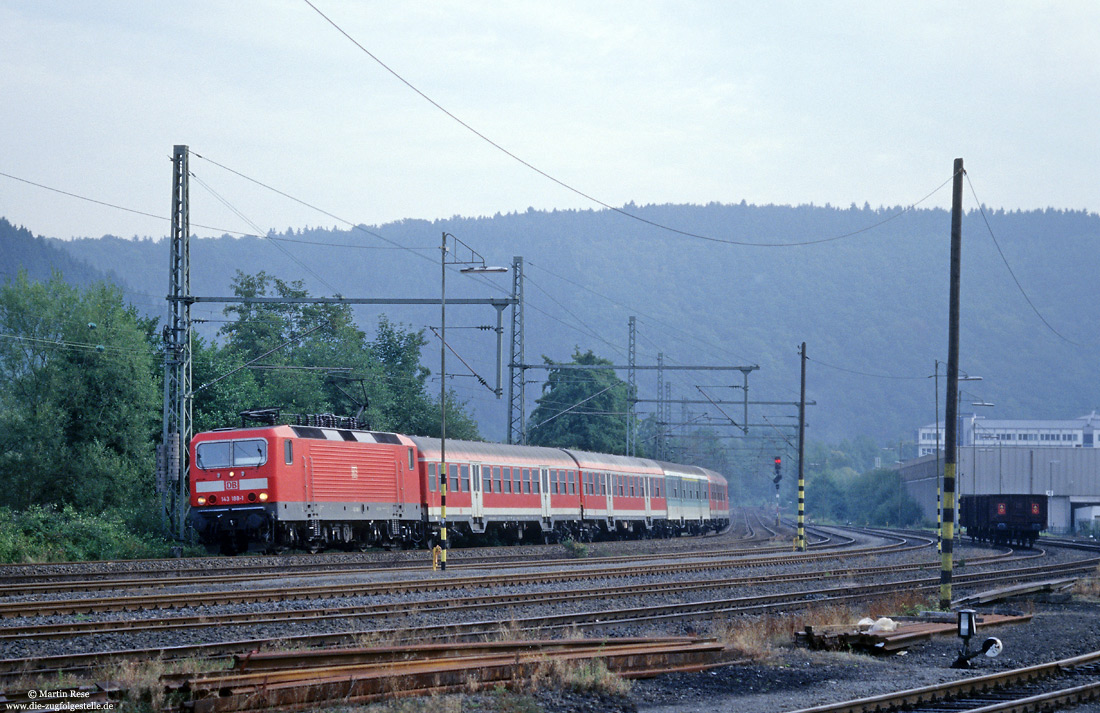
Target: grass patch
(574, 549)
(761, 638)
(49, 534)
(581, 676)
(1088, 587)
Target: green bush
(47, 534)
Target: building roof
(1092, 419)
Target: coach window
(486, 480)
(452, 478)
(572, 483)
(412, 460)
(465, 478)
(431, 477)
(288, 452)
(503, 486)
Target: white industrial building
(1068, 475)
(977, 431)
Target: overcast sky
(651, 102)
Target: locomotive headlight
(202, 500)
(263, 497)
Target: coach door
(608, 481)
(477, 501)
(646, 488)
(544, 491)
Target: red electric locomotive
(322, 486)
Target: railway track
(26, 578)
(573, 619)
(1046, 687)
(472, 605)
(309, 679)
(452, 604)
(578, 571)
(106, 581)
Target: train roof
(312, 432)
(621, 464)
(480, 451)
(693, 470)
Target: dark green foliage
(585, 409)
(309, 358)
(78, 400)
(50, 534)
(41, 258)
(875, 497)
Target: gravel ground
(796, 678)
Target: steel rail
(911, 698)
(349, 682)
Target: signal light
(778, 475)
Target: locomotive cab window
(288, 452)
(225, 454)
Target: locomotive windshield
(226, 454)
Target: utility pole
(661, 406)
(632, 384)
(517, 398)
(176, 433)
(950, 459)
(801, 453)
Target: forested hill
(872, 306)
(20, 249)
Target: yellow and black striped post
(939, 514)
(951, 423)
(801, 513)
(443, 515)
(801, 542)
(948, 542)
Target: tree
(78, 398)
(582, 408)
(311, 358)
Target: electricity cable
(1012, 273)
(590, 197)
(255, 227)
